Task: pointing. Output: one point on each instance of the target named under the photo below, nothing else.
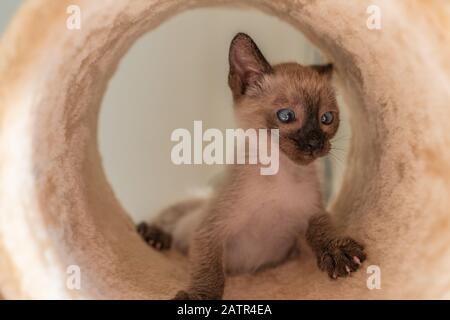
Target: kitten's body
(252, 221)
(266, 221)
(263, 220)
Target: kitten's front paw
(341, 257)
(154, 236)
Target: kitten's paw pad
(154, 236)
(341, 257)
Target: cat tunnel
(59, 216)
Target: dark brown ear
(247, 64)
(324, 69)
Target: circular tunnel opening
(175, 75)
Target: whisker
(341, 138)
(336, 167)
(337, 161)
(338, 149)
(337, 156)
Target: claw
(356, 259)
(347, 269)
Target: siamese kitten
(253, 221)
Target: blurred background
(172, 76)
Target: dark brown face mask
(298, 100)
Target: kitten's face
(297, 100)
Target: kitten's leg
(336, 254)
(207, 273)
(159, 232)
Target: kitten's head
(298, 100)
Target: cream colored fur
(265, 215)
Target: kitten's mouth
(314, 154)
(302, 154)
(310, 156)
(320, 152)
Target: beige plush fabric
(57, 209)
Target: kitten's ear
(247, 64)
(324, 69)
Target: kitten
(253, 221)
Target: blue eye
(286, 115)
(327, 118)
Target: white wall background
(7, 9)
(172, 76)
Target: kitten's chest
(285, 199)
(267, 223)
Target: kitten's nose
(314, 144)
